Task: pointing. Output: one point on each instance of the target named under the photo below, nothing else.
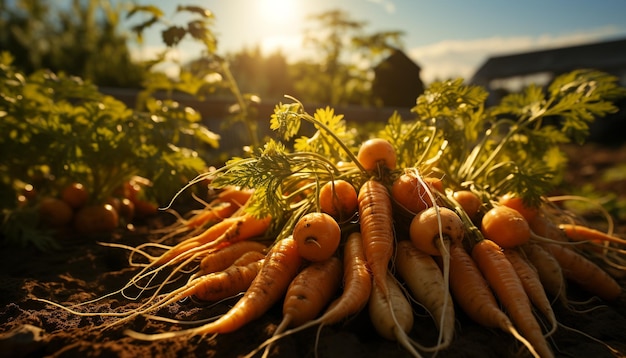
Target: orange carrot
(532, 285)
(317, 236)
(375, 153)
(279, 267)
(505, 226)
(232, 229)
(310, 291)
(473, 295)
(357, 286)
(583, 233)
(376, 224)
(234, 195)
(338, 198)
(585, 273)
(504, 281)
(211, 214)
(220, 259)
(223, 284)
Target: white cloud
(457, 58)
(389, 6)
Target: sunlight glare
(276, 10)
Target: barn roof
(607, 56)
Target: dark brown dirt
(84, 270)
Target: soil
(85, 270)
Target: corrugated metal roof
(606, 56)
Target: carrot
(504, 281)
(517, 203)
(317, 236)
(219, 285)
(357, 286)
(469, 202)
(430, 227)
(584, 233)
(585, 273)
(210, 214)
(473, 295)
(408, 191)
(229, 230)
(220, 259)
(549, 271)
(397, 325)
(505, 226)
(532, 285)
(375, 153)
(279, 267)
(426, 283)
(376, 224)
(309, 292)
(338, 198)
(234, 195)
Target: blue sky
(447, 38)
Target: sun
(276, 10)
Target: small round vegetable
(424, 230)
(407, 191)
(338, 198)
(317, 236)
(75, 194)
(469, 201)
(55, 212)
(505, 226)
(97, 218)
(377, 151)
(517, 203)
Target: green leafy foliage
(62, 128)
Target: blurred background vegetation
(88, 38)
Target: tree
(342, 74)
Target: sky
(446, 38)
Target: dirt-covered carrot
(585, 273)
(424, 279)
(220, 259)
(357, 286)
(532, 286)
(309, 292)
(317, 236)
(508, 288)
(280, 266)
(473, 295)
(549, 271)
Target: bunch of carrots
(330, 239)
